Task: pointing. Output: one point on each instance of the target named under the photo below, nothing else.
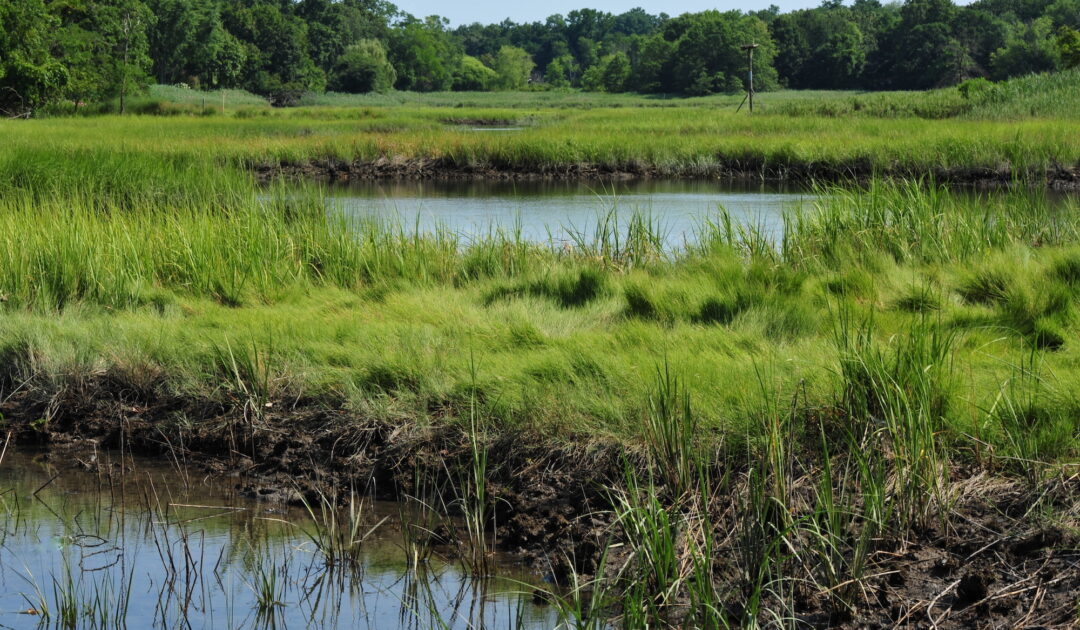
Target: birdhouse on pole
(749, 48)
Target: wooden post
(749, 48)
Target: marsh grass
(337, 533)
(250, 302)
(694, 138)
(906, 388)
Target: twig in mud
(914, 609)
(15, 391)
(985, 547)
(1002, 594)
(7, 441)
(854, 580)
(930, 609)
(1035, 601)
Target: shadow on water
(135, 543)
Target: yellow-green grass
(1047, 95)
(679, 142)
(265, 297)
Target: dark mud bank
(993, 565)
(1060, 178)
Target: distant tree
(104, 47)
(585, 28)
(29, 74)
(1068, 41)
(616, 72)
(841, 57)
(1065, 13)
(981, 33)
(363, 67)
(650, 58)
(932, 58)
(561, 72)
(277, 62)
(592, 80)
(1031, 48)
(707, 56)
(636, 21)
(424, 54)
(189, 43)
(610, 74)
(792, 48)
(821, 48)
(472, 75)
(921, 50)
(484, 39)
(513, 66)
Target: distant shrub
(978, 89)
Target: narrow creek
(105, 541)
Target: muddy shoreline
(992, 566)
(1059, 178)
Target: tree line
(93, 50)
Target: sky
(493, 11)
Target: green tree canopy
(707, 57)
(424, 55)
(29, 74)
(473, 75)
(513, 66)
(363, 67)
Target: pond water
(149, 545)
(566, 212)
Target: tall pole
(749, 48)
(750, 70)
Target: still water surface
(156, 547)
(563, 212)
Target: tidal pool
(113, 542)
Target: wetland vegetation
(804, 427)
(859, 410)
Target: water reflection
(155, 548)
(564, 212)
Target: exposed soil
(994, 564)
(1063, 178)
(481, 122)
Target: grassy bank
(429, 142)
(563, 339)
